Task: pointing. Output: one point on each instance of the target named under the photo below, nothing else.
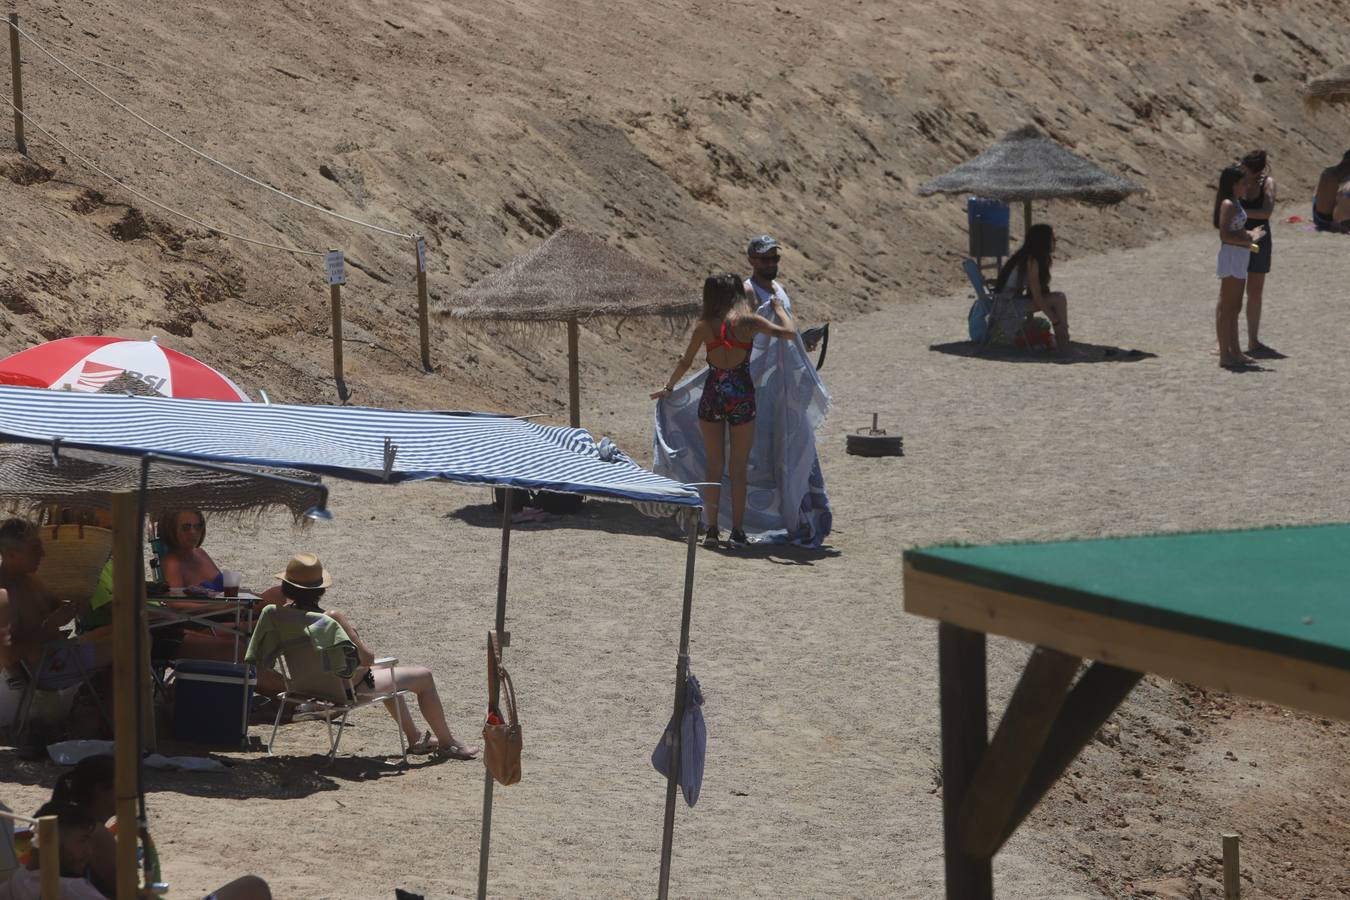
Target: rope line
(211, 159)
(153, 202)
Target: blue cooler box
(210, 700)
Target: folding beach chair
(990, 312)
(57, 672)
(317, 663)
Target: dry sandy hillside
(673, 130)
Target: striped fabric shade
(341, 441)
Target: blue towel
(786, 497)
(693, 743)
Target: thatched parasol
(1026, 165)
(572, 277)
(1333, 87)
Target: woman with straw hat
(302, 585)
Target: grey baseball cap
(761, 244)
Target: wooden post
(424, 327)
(16, 83)
(1232, 879)
(963, 705)
(335, 296)
(573, 375)
(1026, 218)
(49, 856)
(127, 581)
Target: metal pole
(681, 673)
(16, 83)
(502, 572)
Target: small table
(1261, 613)
(178, 607)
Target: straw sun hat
(305, 570)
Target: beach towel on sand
(786, 497)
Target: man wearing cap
(764, 252)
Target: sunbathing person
(89, 787)
(302, 585)
(76, 848)
(33, 616)
(1026, 277)
(1327, 212)
(185, 563)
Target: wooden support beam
(573, 374)
(964, 708)
(16, 83)
(49, 856)
(1017, 745)
(126, 572)
(1091, 702)
(1232, 869)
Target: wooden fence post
(16, 82)
(422, 324)
(1232, 871)
(336, 276)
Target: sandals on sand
(429, 746)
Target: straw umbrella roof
(1026, 165)
(1332, 87)
(572, 276)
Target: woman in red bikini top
(727, 406)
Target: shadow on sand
(1079, 353)
(268, 777)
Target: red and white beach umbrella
(88, 363)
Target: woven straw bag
(501, 735)
(73, 558)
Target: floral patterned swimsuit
(728, 394)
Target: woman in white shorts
(1235, 250)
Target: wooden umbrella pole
(503, 570)
(681, 675)
(1026, 218)
(573, 374)
(423, 325)
(126, 559)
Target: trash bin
(210, 699)
(988, 221)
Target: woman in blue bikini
(187, 564)
(727, 407)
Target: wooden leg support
(961, 669)
(989, 789)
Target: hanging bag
(501, 735)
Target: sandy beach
(822, 773)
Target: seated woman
(1025, 280)
(302, 586)
(89, 788)
(185, 563)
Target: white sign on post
(421, 253)
(336, 270)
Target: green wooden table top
(1282, 590)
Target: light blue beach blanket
(786, 499)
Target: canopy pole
(573, 374)
(126, 727)
(1026, 219)
(486, 841)
(681, 674)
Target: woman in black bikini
(1259, 204)
(728, 403)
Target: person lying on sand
(302, 585)
(1329, 213)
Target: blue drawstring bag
(693, 743)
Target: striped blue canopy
(341, 441)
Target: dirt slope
(673, 131)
